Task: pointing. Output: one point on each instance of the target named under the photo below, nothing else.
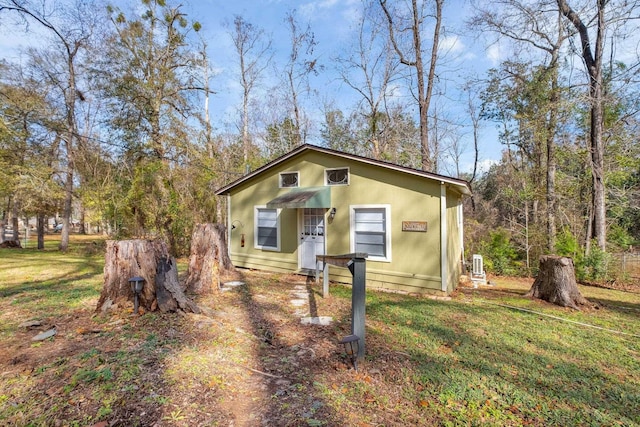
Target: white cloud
(495, 54)
(312, 9)
(395, 91)
(451, 44)
(455, 48)
(485, 165)
(14, 40)
(352, 11)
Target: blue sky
(332, 22)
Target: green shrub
(499, 254)
(567, 245)
(595, 266)
(620, 237)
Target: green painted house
(314, 201)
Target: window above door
(337, 176)
(289, 179)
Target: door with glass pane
(311, 237)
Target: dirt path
(267, 321)
(247, 361)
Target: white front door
(311, 237)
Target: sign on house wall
(420, 226)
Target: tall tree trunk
(82, 229)
(425, 85)
(246, 141)
(246, 90)
(551, 177)
(589, 227)
(42, 220)
(427, 160)
(597, 170)
(593, 62)
(14, 221)
(66, 211)
(552, 124)
(70, 102)
(526, 236)
(3, 220)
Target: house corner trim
(443, 237)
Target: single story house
(314, 201)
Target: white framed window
(289, 179)
(338, 176)
(371, 231)
(266, 228)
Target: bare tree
(206, 77)
(71, 28)
(535, 25)
(592, 55)
(474, 116)
(369, 68)
(299, 67)
(411, 25)
(254, 55)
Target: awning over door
(310, 197)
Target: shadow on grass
(313, 304)
(70, 286)
(122, 369)
(60, 284)
(286, 357)
(110, 367)
(432, 363)
(625, 308)
(478, 363)
(150, 370)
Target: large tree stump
(209, 258)
(11, 244)
(556, 282)
(149, 259)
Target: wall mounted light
(332, 213)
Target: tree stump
(556, 283)
(209, 258)
(149, 259)
(11, 244)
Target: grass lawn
(471, 360)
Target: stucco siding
(415, 256)
(390, 281)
